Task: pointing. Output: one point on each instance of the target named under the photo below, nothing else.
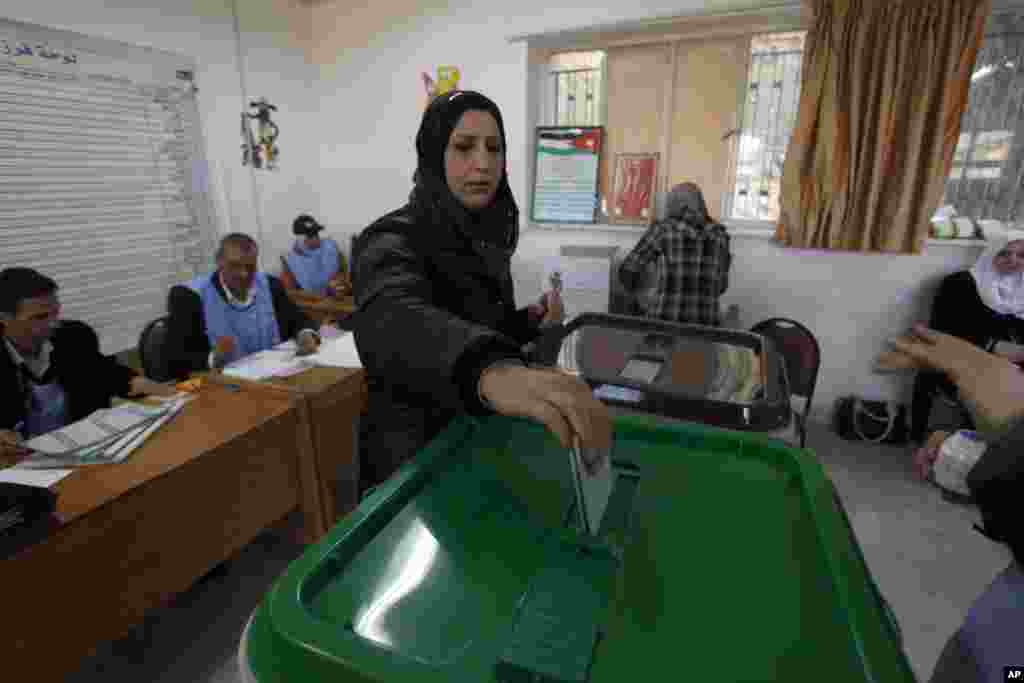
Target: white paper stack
(337, 351)
(281, 361)
(105, 437)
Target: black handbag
(872, 421)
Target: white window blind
(102, 180)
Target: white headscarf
(1004, 294)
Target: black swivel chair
(151, 351)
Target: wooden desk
(136, 533)
(334, 398)
(323, 309)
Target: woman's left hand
(554, 308)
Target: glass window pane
(989, 158)
(769, 114)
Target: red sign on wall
(633, 188)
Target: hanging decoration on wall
(260, 150)
(447, 80)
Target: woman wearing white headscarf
(983, 305)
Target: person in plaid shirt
(693, 259)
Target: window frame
(551, 91)
(707, 27)
(742, 104)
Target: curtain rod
(652, 22)
(786, 6)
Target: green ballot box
(722, 556)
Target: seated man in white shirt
(233, 312)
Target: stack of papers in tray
(106, 436)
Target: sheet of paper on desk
(41, 478)
(280, 361)
(114, 451)
(101, 427)
(339, 352)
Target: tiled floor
(928, 561)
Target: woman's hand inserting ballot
(561, 402)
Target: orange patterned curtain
(885, 85)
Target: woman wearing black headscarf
(437, 329)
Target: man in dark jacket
(437, 329)
(231, 313)
(52, 371)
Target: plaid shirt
(693, 270)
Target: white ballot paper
(277, 362)
(101, 428)
(338, 351)
(594, 487)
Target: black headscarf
(494, 230)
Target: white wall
(852, 302)
(273, 35)
(370, 96)
(349, 119)
(370, 102)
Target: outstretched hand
(992, 387)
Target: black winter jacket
(89, 378)
(431, 317)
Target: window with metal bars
(577, 86)
(102, 180)
(988, 165)
(768, 115)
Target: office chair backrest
(800, 351)
(151, 350)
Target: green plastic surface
(727, 559)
